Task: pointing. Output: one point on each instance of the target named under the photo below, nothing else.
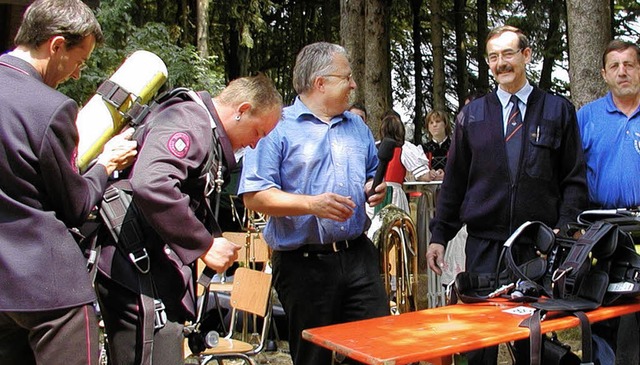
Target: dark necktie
(513, 137)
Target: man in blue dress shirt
(311, 175)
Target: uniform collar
(19, 65)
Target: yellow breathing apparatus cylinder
(136, 81)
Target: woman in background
(408, 160)
(438, 141)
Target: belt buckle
(336, 248)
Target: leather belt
(336, 246)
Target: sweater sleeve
(446, 222)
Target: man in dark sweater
(516, 156)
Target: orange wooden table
(435, 334)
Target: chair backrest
(259, 250)
(251, 291)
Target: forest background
(411, 55)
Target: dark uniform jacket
(168, 183)
(41, 194)
(477, 189)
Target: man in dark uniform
(171, 181)
(46, 298)
(516, 156)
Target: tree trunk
(586, 46)
(438, 56)
(483, 31)
(418, 111)
(352, 39)
(202, 28)
(377, 83)
(461, 51)
(553, 44)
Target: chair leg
(204, 360)
(219, 358)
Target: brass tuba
(394, 234)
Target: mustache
(504, 68)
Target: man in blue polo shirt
(610, 129)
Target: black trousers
(120, 308)
(64, 336)
(318, 289)
(482, 256)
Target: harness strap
(121, 218)
(535, 336)
(113, 93)
(565, 277)
(119, 215)
(152, 316)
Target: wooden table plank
(436, 334)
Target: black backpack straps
(121, 218)
(535, 335)
(532, 270)
(567, 277)
(585, 327)
(113, 94)
(549, 351)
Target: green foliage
(122, 38)
(248, 15)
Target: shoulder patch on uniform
(179, 144)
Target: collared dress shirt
(304, 155)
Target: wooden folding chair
(257, 252)
(251, 294)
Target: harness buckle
(336, 248)
(140, 259)
(160, 316)
(562, 272)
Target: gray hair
(43, 19)
(314, 60)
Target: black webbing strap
(119, 215)
(153, 316)
(565, 277)
(113, 93)
(117, 96)
(587, 352)
(535, 336)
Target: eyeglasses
(507, 55)
(344, 77)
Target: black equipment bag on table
(566, 274)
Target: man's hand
(119, 152)
(378, 197)
(332, 206)
(221, 254)
(435, 257)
